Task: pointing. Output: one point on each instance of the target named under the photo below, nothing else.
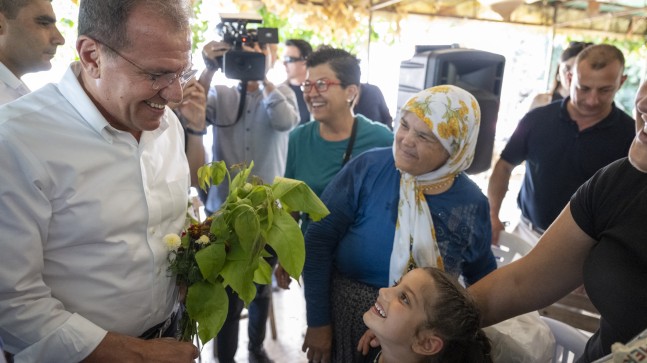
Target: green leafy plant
(227, 249)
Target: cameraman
(256, 131)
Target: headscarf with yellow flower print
(453, 115)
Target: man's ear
(89, 51)
(428, 343)
(622, 80)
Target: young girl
(426, 317)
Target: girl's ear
(428, 343)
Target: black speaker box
(478, 72)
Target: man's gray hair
(106, 20)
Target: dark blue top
(356, 239)
(372, 105)
(303, 108)
(559, 158)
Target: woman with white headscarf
(393, 210)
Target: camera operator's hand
(265, 85)
(212, 54)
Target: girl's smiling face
(400, 309)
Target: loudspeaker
(478, 72)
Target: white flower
(172, 241)
(203, 240)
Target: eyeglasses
(321, 85)
(160, 80)
(288, 59)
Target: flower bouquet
(227, 249)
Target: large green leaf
(286, 239)
(259, 195)
(263, 274)
(219, 226)
(296, 195)
(246, 225)
(211, 260)
(207, 303)
(241, 178)
(211, 174)
(239, 275)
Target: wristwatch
(194, 132)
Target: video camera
(237, 63)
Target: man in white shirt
(93, 176)
(28, 42)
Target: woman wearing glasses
(394, 209)
(318, 150)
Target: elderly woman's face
(417, 150)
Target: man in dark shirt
(294, 60)
(564, 143)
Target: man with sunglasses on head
(28, 42)
(93, 176)
(294, 60)
(250, 122)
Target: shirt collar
(72, 90)
(607, 121)
(12, 81)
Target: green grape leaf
(296, 195)
(211, 260)
(286, 239)
(219, 226)
(211, 174)
(239, 275)
(207, 303)
(241, 178)
(263, 274)
(246, 225)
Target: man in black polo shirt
(564, 143)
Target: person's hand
(283, 278)
(212, 54)
(317, 344)
(497, 227)
(121, 348)
(194, 106)
(367, 341)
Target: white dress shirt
(83, 209)
(11, 87)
